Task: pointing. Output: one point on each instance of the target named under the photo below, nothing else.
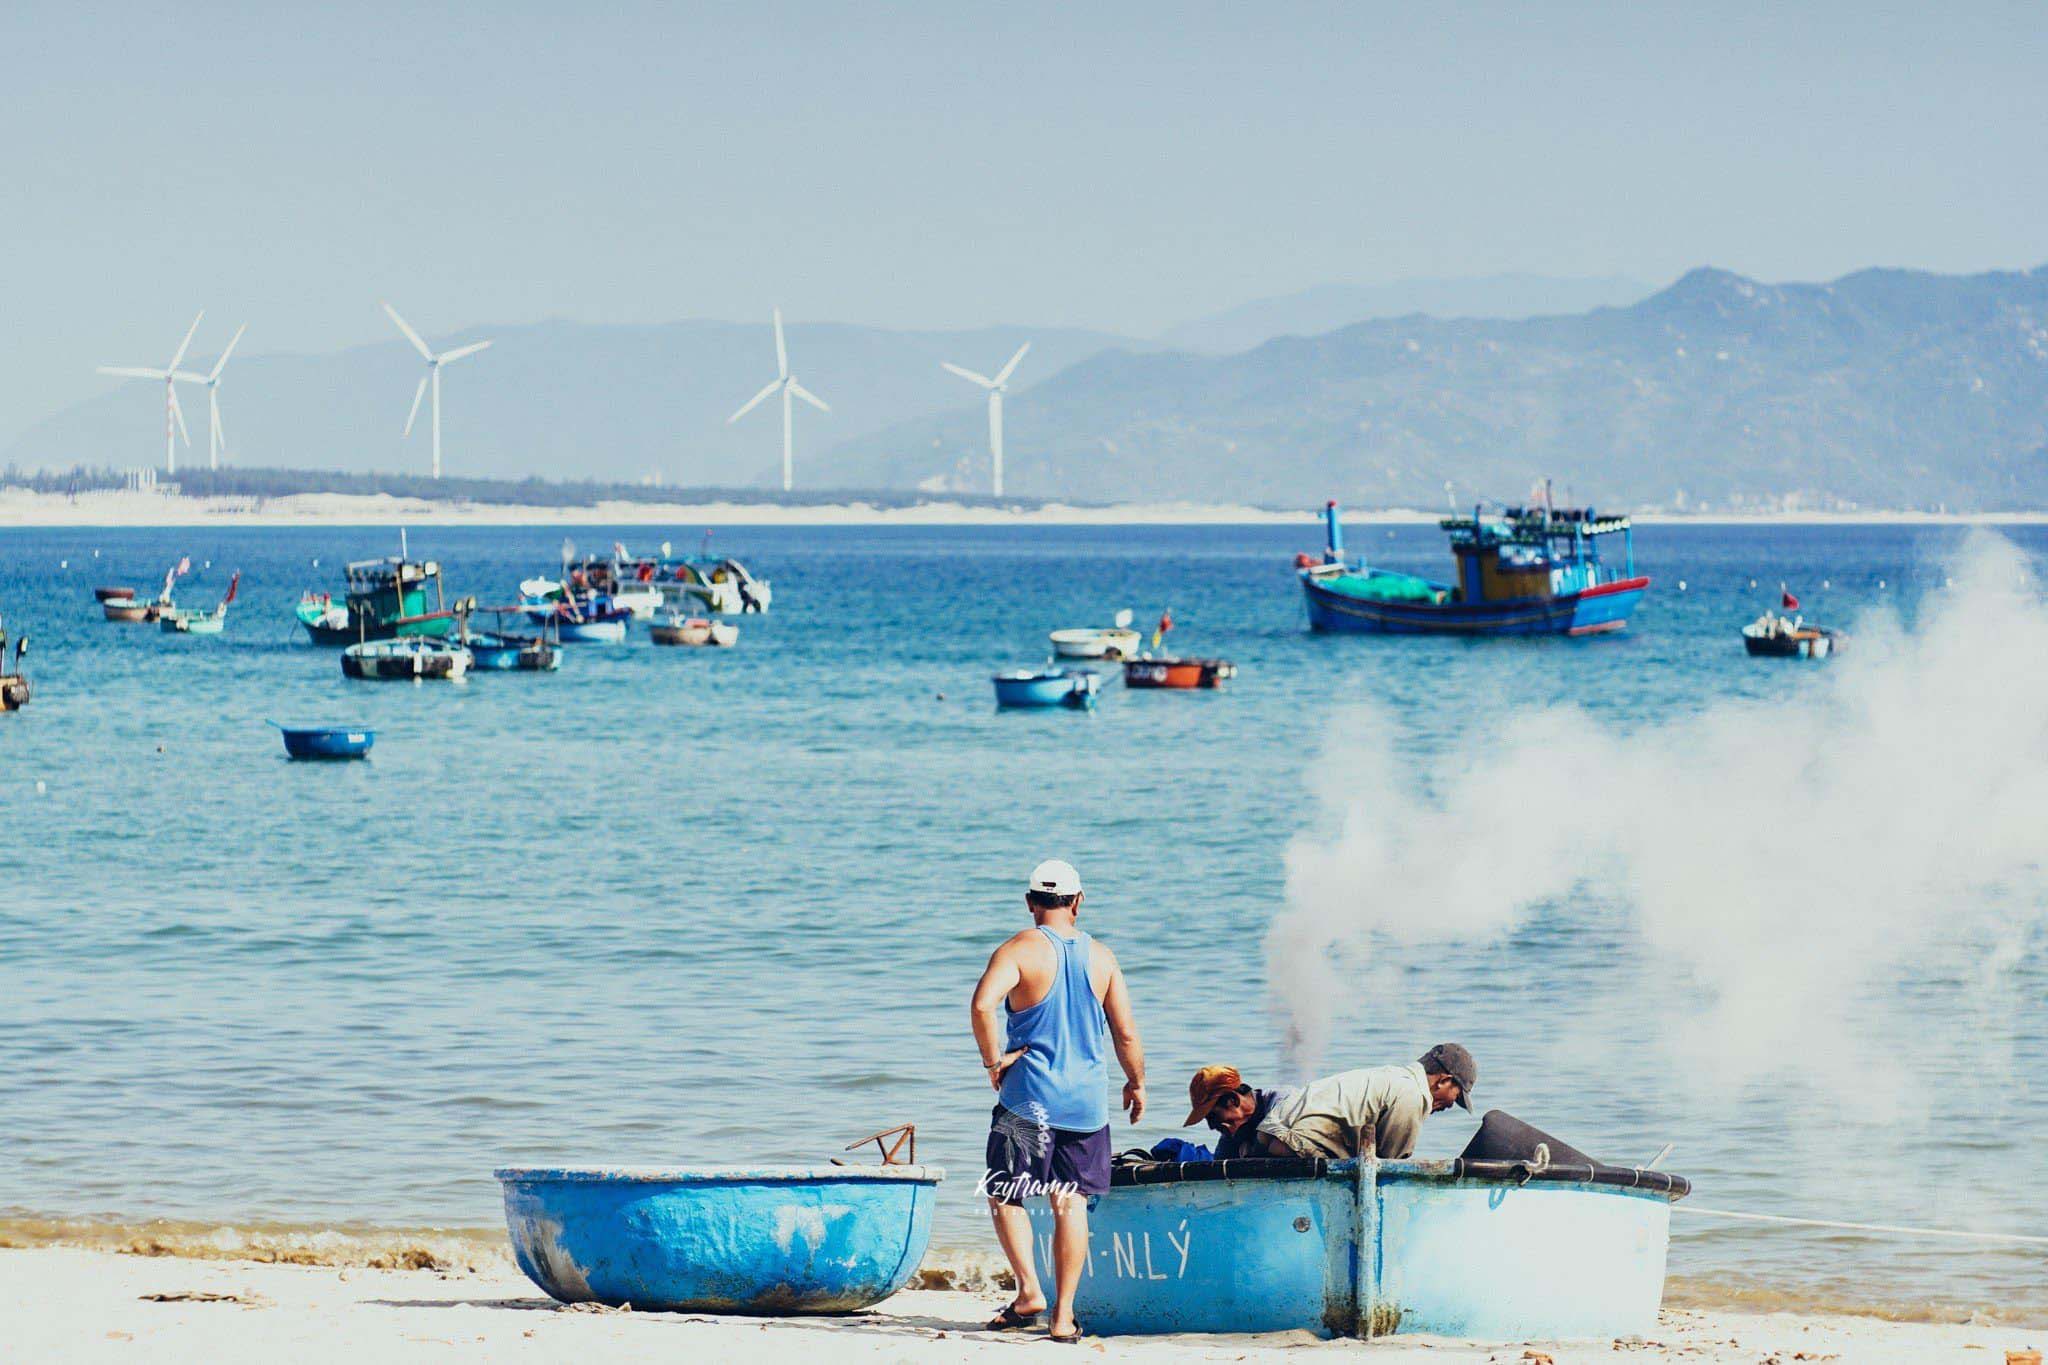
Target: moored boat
(1772, 636)
(695, 630)
(404, 658)
(195, 622)
(493, 652)
(1493, 1250)
(591, 619)
(385, 599)
(112, 594)
(772, 1241)
(1116, 642)
(327, 741)
(1020, 689)
(1523, 571)
(14, 687)
(1176, 673)
(128, 609)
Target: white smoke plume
(1785, 855)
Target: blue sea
(674, 906)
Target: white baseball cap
(1057, 877)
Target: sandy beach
(58, 1303)
(21, 507)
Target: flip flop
(1010, 1320)
(1069, 1340)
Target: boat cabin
(1531, 552)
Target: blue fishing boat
(594, 618)
(1029, 688)
(771, 1240)
(1522, 571)
(1491, 1250)
(327, 741)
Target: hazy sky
(1121, 166)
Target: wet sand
(70, 1304)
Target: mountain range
(1882, 389)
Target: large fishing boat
(14, 688)
(1521, 571)
(386, 599)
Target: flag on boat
(1786, 598)
(184, 566)
(1165, 624)
(234, 582)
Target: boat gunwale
(716, 1175)
(1433, 1171)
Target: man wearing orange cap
(1374, 1111)
(1232, 1109)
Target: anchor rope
(2017, 1238)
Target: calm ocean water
(679, 906)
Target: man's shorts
(1027, 1157)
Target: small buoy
(159, 748)
(1948, 582)
(209, 563)
(41, 788)
(316, 563)
(942, 696)
(1681, 585)
(63, 563)
(1880, 582)
(1752, 582)
(95, 554)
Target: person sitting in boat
(1219, 1097)
(1376, 1111)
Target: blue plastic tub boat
(1491, 1250)
(327, 741)
(771, 1240)
(1025, 688)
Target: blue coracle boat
(1490, 1250)
(772, 1240)
(1023, 688)
(1525, 571)
(327, 741)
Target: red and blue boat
(1521, 571)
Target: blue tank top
(1063, 1081)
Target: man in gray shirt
(1374, 1111)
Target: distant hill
(1311, 312)
(560, 400)
(1883, 389)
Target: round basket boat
(769, 1240)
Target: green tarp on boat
(1381, 586)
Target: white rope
(2014, 1237)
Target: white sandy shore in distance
(20, 507)
(64, 1304)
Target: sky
(1120, 166)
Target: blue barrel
(772, 1240)
(327, 741)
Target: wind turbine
(170, 374)
(996, 387)
(216, 435)
(786, 382)
(432, 376)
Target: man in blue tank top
(1041, 1011)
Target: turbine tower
(431, 377)
(996, 387)
(786, 382)
(216, 435)
(174, 416)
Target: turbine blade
(980, 379)
(417, 395)
(755, 401)
(809, 397)
(186, 342)
(410, 334)
(220, 429)
(1003, 375)
(781, 349)
(178, 411)
(461, 351)
(187, 377)
(133, 372)
(221, 364)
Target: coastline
(24, 508)
(90, 1305)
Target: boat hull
(1348, 1248)
(1806, 645)
(128, 609)
(770, 1242)
(1115, 644)
(380, 661)
(1076, 691)
(1594, 611)
(327, 742)
(14, 691)
(592, 632)
(1178, 674)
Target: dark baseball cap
(1451, 1059)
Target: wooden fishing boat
(327, 741)
(1772, 636)
(193, 622)
(1501, 1250)
(14, 688)
(112, 594)
(772, 1241)
(1178, 674)
(386, 599)
(410, 657)
(1034, 688)
(493, 652)
(695, 630)
(128, 609)
(1116, 642)
(1523, 571)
